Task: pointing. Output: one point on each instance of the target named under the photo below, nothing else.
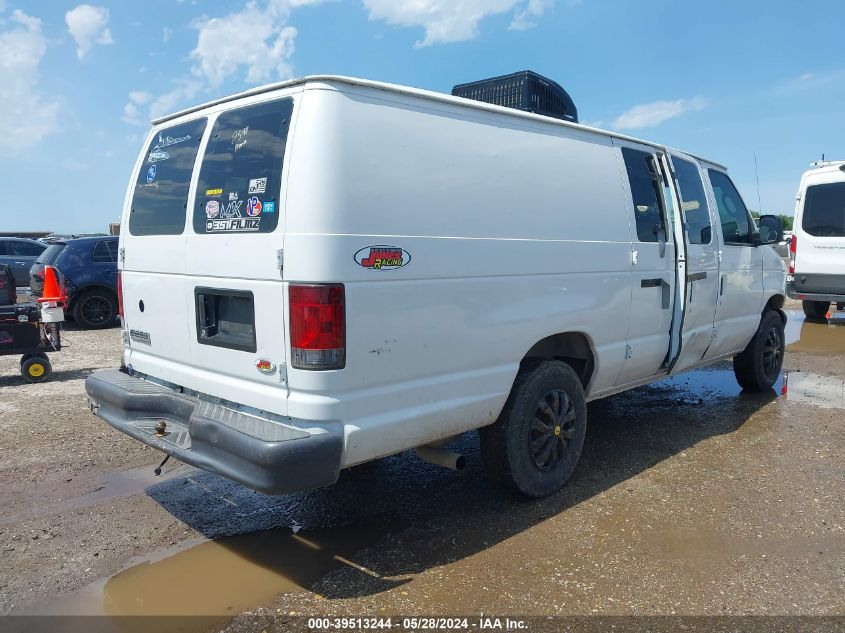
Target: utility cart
(30, 329)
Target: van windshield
(160, 199)
(824, 210)
(241, 175)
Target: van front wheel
(816, 310)
(535, 444)
(758, 366)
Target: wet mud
(691, 496)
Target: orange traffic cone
(51, 290)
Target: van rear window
(241, 175)
(824, 210)
(161, 192)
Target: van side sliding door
(702, 261)
(653, 262)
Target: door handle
(722, 285)
(658, 282)
(697, 276)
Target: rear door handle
(722, 285)
(658, 282)
(697, 276)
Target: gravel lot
(690, 499)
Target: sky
(727, 80)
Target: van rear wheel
(758, 367)
(816, 310)
(535, 444)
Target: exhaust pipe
(441, 457)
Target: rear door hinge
(122, 252)
(628, 351)
(280, 259)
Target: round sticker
(253, 207)
(212, 208)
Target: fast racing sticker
(381, 257)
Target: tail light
(120, 293)
(793, 249)
(317, 326)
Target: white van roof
(423, 94)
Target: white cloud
(132, 110)
(654, 113)
(89, 26)
(526, 17)
(447, 21)
(166, 34)
(257, 37)
(26, 116)
(186, 90)
(256, 40)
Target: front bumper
(266, 455)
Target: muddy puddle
(218, 579)
(818, 338)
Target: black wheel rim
(95, 310)
(772, 352)
(552, 428)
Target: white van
(327, 271)
(817, 249)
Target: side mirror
(771, 229)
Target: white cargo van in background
(327, 271)
(817, 249)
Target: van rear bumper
(816, 287)
(266, 455)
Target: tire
(36, 368)
(816, 310)
(95, 309)
(758, 367)
(535, 444)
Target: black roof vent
(525, 90)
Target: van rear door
(224, 323)
(821, 245)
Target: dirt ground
(691, 498)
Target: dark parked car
(88, 271)
(19, 253)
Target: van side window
(824, 210)
(693, 201)
(646, 193)
(734, 216)
(240, 179)
(161, 191)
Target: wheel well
(573, 348)
(81, 291)
(776, 302)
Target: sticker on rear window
(213, 193)
(257, 185)
(151, 173)
(253, 207)
(156, 156)
(167, 141)
(212, 208)
(381, 257)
